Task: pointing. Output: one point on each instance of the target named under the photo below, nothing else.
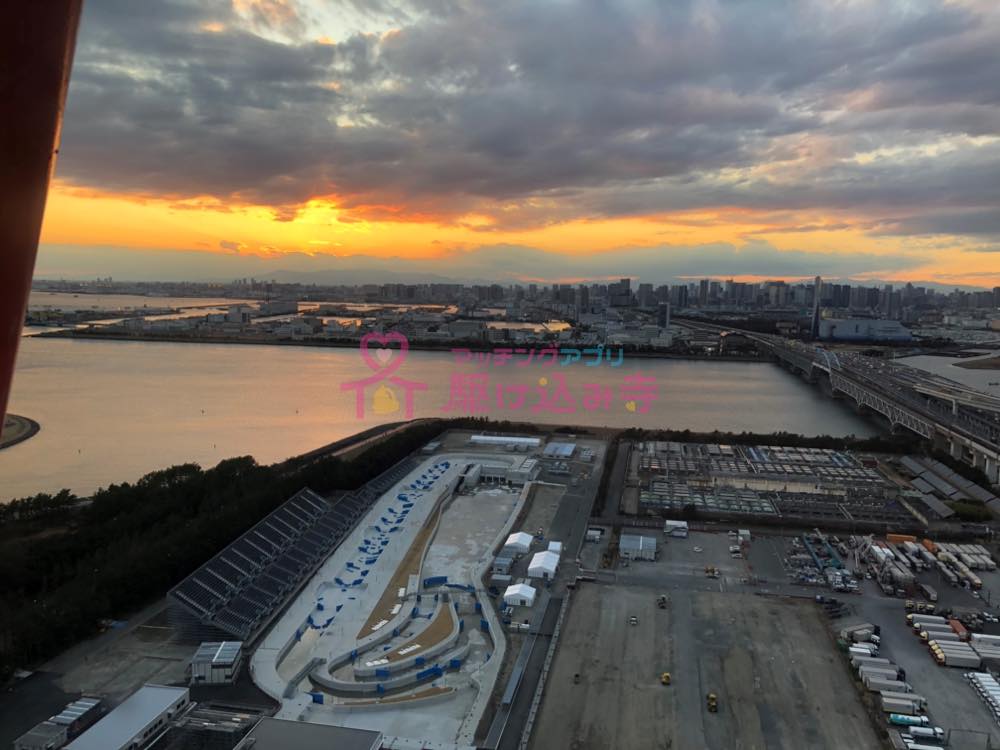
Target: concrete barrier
(336, 685)
(425, 654)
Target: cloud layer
(881, 115)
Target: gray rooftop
(43, 732)
(219, 653)
(281, 734)
(129, 719)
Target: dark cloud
(550, 111)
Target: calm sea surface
(111, 411)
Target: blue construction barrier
(317, 697)
(381, 672)
(455, 664)
(420, 661)
(483, 625)
(435, 581)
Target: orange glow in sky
(86, 217)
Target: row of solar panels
(238, 589)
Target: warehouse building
(559, 450)
(216, 662)
(141, 718)
(58, 730)
(530, 442)
(635, 547)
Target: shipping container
(929, 546)
(959, 629)
(928, 592)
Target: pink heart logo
(383, 359)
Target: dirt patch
(410, 565)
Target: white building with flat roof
(141, 718)
(531, 442)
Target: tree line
(68, 563)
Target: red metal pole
(37, 40)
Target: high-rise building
(703, 292)
(646, 298)
(663, 315)
(817, 296)
(679, 296)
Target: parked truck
(897, 706)
(937, 627)
(857, 661)
(977, 638)
(871, 648)
(917, 700)
(878, 684)
(906, 720)
(911, 618)
(958, 659)
(935, 732)
(932, 636)
(879, 674)
(928, 592)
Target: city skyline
(858, 141)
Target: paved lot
(951, 703)
(780, 681)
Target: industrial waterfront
(111, 411)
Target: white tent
(555, 547)
(519, 542)
(519, 595)
(543, 565)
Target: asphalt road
(508, 724)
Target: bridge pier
(992, 470)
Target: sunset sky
(535, 140)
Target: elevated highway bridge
(953, 417)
